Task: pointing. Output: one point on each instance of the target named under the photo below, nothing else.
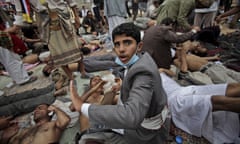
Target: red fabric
(2, 27)
(18, 45)
(214, 51)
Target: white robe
(13, 65)
(191, 111)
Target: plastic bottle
(110, 78)
(108, 44)
(179, 139)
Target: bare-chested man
(217, 72)
(95, 95)
(44, 131)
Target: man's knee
(233, 89)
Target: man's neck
(42, 121)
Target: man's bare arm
(212, 58)
(62, 118)
(167, 71)
(228, 13)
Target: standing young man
(115, 12)
(141, 113)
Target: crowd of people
(161, 71)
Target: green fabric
(178, 10)
(5, 40)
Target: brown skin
(189, 61)
(96, 92)
(230, 102)
(30, 59)
(45, 130)
(232, 11)
(95, 96)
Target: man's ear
(139, 47)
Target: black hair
(208, 34)
(129, 29)
(89, 12)
(85, 50)
(45, 73)
(168, 21)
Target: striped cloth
(5, 40)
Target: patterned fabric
(5, 40)
(187, 138)
(63, 51)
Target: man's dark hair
(45, 73)
(168, 21)
(129, 29)
(209, 35)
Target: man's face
(40, 111)
(94, 81)
(125, 47)
(89, 14)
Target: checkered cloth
(5, 40)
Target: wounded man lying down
(45, 130)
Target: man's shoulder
(145, 62)
(159, 28)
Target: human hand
(218, 19)
(151, 23)
(161, 70)
(51, 108)
(196, 28)
(98, 85)
(117, 86)
(72, 108)
(216, 57)
(77, 102)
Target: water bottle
(108, 44)
(179, 140)
(110, 79)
